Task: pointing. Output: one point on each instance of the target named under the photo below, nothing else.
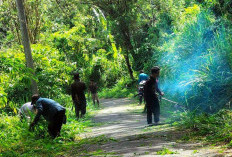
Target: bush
(15, 78)
(216, 127)
(53, 76)
(123, 88)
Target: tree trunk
(26, 42)
(129, 65)
(127, 45)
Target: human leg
(140, 99)
(96, 96)
(77, 110)
(58, 121)
(149, 114)
(83, 108)
(93, 98)
(156, 111)
(51, 129)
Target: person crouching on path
(78, 96)
(93, 90)
(52, 111)
(151, 98)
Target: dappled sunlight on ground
(124, 122)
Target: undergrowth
(216, 128)
(17, 140)
(123, 88)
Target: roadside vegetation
(17, 140)
(210, 128)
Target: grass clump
(165, 151)
(212, 127)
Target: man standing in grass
(78, 96)
(52, 111)
(151, 98)
(93, 91)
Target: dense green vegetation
(16, 140)
(110, 41)
(214, 128)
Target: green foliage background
(110, 42)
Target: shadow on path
(123, 121)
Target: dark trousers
(153, 107)
(55, 125)
(80, 107)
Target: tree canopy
(112, 40)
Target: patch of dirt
(126, 124)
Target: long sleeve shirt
(48, 108)
(150, 89)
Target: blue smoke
(196, 70)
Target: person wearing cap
(150, 96)
(52, 111)
(93, 90)
(78, 96)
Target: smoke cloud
(196, 69)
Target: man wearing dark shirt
(151, 98)
(78, 95)
(93, 91)
(52, 111)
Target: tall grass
(196, 64)
(214, 128)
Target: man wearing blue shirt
(52, 111)
(142, 79)
(142, 76)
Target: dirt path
(126, 125)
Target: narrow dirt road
(122, 121)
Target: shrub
(216, 127)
